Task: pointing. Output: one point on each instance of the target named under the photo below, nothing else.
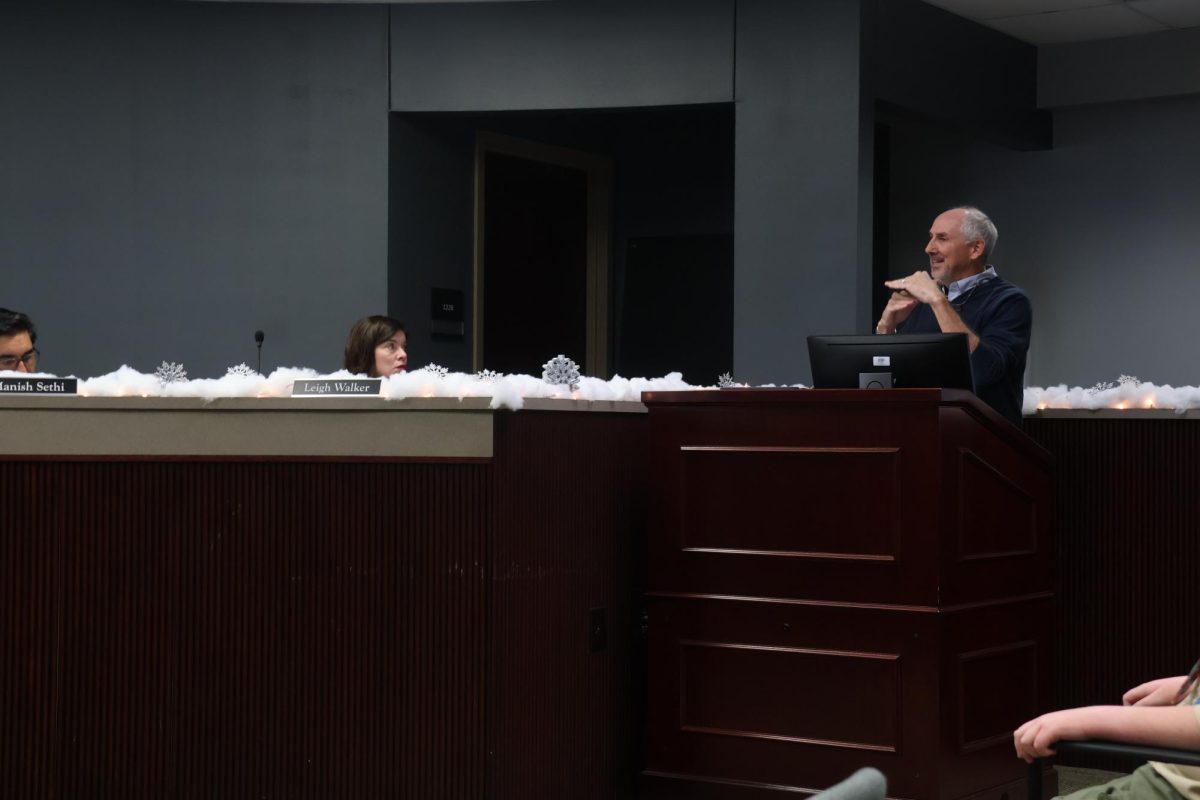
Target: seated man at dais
(17, 338)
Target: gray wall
(515, 56)
(1133, 68)
(804, 123)
(801, 264)
(927, 63)
(176, 175)
(801, 257)
(431, 231)
(1101, 231)
(539, 57)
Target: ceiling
(1033, 21)
(1059, 21)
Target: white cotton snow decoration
(125, 381)
(511, 391)
(1128, 393)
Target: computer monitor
(899, 361)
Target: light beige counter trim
(435, 427)
(323, 427)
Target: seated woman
(375, 346)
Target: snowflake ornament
(434, 369)
(1122, 381)
(725, 381)
(487, 376)
(170, 372)
(240, 371)
(561, 371)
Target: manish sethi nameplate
(337, 387)
(39, 386)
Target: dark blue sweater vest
(1001, 315)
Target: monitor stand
(875, 380)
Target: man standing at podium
(961, 293)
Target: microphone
(258, 340)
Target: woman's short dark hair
(14, 322)
(365, 335)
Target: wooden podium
(838, 579)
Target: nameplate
(326, 387)
(39, 386)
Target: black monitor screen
(900, 361)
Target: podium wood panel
(789, 501)
(839, 579)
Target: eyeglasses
(30, 360)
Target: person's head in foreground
(17, 338)
(376, 347)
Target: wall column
(803, 164)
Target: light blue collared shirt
(962, 286)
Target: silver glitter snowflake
(561, 371)
(725, 381)
(170, 372)
(1122, 380)
(487, 376)
(434, 369)
(241, 371)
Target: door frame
(598, 169)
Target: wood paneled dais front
(295, 619)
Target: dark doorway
(541, 255)
(678, 307)
(535, 257)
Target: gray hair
(976, 226)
